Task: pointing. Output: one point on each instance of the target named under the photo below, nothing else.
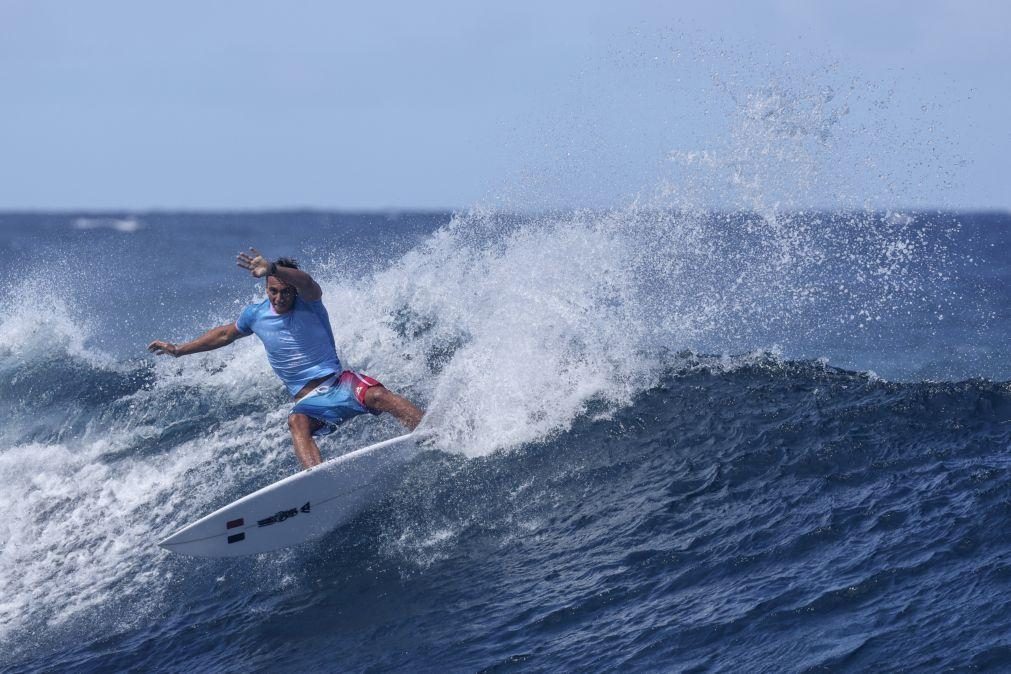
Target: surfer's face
(280, 294)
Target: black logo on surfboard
(282, 515)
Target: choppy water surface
(665, 440)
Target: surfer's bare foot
(383, 400)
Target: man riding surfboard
(294, 327)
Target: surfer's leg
(302, 427)
(381, 399)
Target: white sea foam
(29, 332)
(83, 517)
(509, 337)
(127, 225)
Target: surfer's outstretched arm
(215, 338)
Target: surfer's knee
(299, 424)
(378, 398)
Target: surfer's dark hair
(288, 262)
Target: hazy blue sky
(246, 104)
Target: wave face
(643, 456)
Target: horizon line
(133, 212)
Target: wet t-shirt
(299, 344)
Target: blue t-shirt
(299, 344)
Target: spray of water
(507, 328)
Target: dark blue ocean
(665, 440)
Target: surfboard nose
(174, 539)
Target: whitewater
(666, 436)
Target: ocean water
(666, 440)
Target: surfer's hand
(160, 348)
(254, 261)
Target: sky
(121, 105)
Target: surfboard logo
(282, 515)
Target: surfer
(295, 330)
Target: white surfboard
(297, 508)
